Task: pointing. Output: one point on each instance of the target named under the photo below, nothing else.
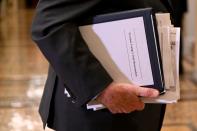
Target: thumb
(146, 92)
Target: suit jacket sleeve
(56, 33)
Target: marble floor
(23, 73)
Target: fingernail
(155, 93)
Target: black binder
(151, 37)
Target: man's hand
(124, 98)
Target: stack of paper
(126, 45)
(169, 37)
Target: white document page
(164, 26)
(123, 43)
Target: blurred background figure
(23, 70)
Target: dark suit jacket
(55, 30)
(179, 5)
